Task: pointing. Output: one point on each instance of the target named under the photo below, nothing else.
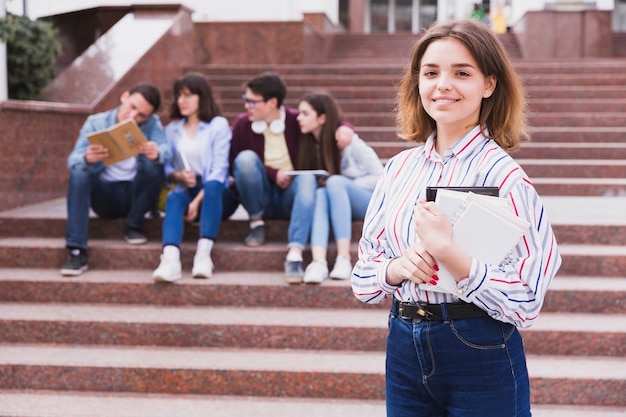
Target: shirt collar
(460, 149)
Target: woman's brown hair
(325, 153)
(502, 115)
(196, 83)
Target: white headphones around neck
(276, 127)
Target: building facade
(357, 16)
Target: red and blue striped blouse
(511, 292)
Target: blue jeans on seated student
(472, 367)
(262, 199)
(345, 201)
(110, 200)
(210, 211)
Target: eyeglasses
(250, 102)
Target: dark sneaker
(76, 263)
(135, 237)
(255, 237)
(293, 272)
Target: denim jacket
(151, 128)
(215, 137)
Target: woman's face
(188, 103)
(309, 120)
(451, 85)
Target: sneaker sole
(293, 280)
(136, 241)
(199, 275)
(339, 277)
(159, 278)
(253, 244)
(73, 272)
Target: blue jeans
(210, 211)
(110, 200)
(463, 368)
(262, 199)
(345, 201)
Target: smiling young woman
(462, 101)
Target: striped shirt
(511, 292)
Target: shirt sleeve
(217, 165)
(368, 161)
(369, 282)
(514, 291)
(153, 129)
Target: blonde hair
(502, 115)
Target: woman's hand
(437, 237)
(192, 211)
(343, 136)
(432, 227)
(187, 177)
(416, 265)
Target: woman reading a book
(354, 169)
(461, 100)
(200, 141)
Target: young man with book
(126, 189)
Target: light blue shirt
(215, 137)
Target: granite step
(84, 404)
(527, 150)
(295, 92)
(589, 187)
(273, 372)
(607, 260)
(42, 403)
(561, 136)
(576, 66)
(568, 293)
(576, 105)
(556, 79)
(346, 91)
(391, 78)
(386, 105)
(574, 168)
(553, 119)
(48, 220)
(564, 211)
(294, 328)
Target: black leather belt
(454, 311)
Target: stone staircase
(112, 343)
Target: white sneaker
(169, 270)
(342, 269)
(202, 266)
(316, 272)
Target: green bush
(32, 52)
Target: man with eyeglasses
(264, 148)
(126, 189)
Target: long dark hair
(323, 154)
(208, 107)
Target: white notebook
(484, 227)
